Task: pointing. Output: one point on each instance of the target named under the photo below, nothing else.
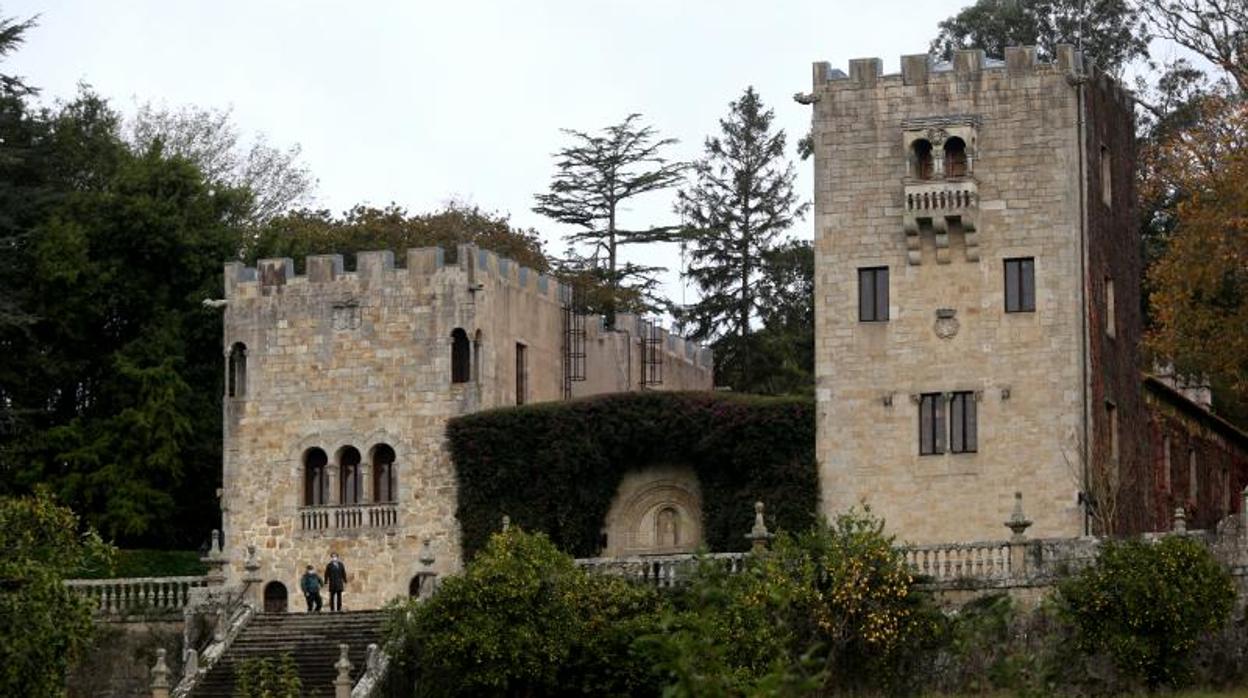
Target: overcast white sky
(420, 102)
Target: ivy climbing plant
(554, 467)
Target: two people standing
(335, 577)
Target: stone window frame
(309, 486)
(522, 373)
(1016, 299)
(236, 371)
(461, 356)
(932, 420)
(324, 440)
(877, 291)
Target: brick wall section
(1113, 252)
(1221, 456)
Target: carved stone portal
(656, 511)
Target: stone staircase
(312, 640)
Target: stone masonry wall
(363, 358)
(1026, 368)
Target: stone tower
(340, 384)
(977, 294)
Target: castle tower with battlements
(340, 384)
(977, 294)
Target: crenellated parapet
(967, 66)
(475, 271)
(425, 265)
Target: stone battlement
(478, 268)
(968, 65)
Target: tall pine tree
(593, 178)
(740, 202)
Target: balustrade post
(1018, 524)
(342, 682)
(759, 536)
(160, 676)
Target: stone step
(312, 641)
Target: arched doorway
(274, 597)
(413, 587)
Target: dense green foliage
(44, 626)
(833, 608)
(1111, 32)
(302, 233)
(1146, 605)
(262, 677)
(522, 620)
(147, 563)
(554, 467)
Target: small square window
(873, 294)
(1020, 285)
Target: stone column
(160, 676)
(251, 578)
(342, 682)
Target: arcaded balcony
(941, 206)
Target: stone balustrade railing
(123, 596)
(663, 571)
(986, 560)
(347, 517)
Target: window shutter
(864, 295)
(1011, 285)
(926, 414)
(972, 426)
(881, 294)
(955, 433)
(940, 402)
(1028, 283)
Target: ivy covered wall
(554, 467)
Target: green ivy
(554, 467)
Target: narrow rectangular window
(522, 386)
(1165, 465)
(1020, 285)
(931, 424)
(1107, 180)
(963, 430)
(1111, 322)
(1193, 485)
(873, 294)
(1111, 414)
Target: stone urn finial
(1180, 520)
(1018, 521)
(506, 523)
(759, 535)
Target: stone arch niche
(657, 510)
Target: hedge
(554, 467)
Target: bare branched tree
(1215, 29)
(277, 180)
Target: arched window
(413, 587)
(460, 356)
(236, 382)
(921, 158)
(955, 157)
(349, 475)
(274, 597)
(315, 477)
(383, 473)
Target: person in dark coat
(310, 583)
(335, 578)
